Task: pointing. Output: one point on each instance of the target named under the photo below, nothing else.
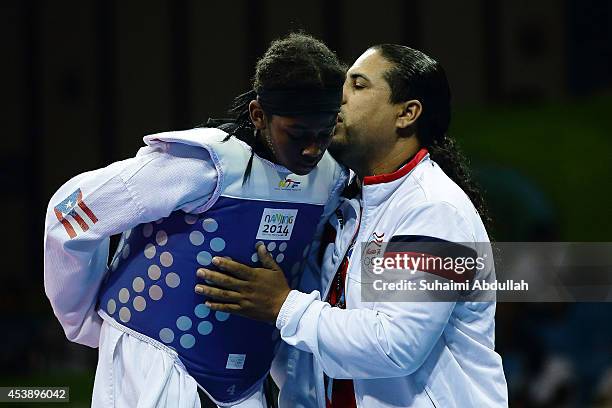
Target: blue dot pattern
(205, 328)
(204, 258)
(179, 319)
(187, 341)
(183, 323)
(222, 316)
(217, 244)
(201, 311)
(166, 335)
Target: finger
(236, 269)
(266, 259)
(224, 307)
(218, 294)
(220, 279)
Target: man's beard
(339, 145)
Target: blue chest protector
(151, 290)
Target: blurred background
(84, 81)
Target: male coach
(411, 186)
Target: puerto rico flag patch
(74, 207)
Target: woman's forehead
(309, 121)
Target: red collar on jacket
(401, 172)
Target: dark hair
(297, 61)
(418, 76)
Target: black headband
(291, 102)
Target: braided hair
(297, 61)
(417, 76)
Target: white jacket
(400, 354)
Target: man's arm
(91, 207)
(391, 339)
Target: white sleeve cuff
(293, 308)
(287, 309)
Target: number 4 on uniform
(231, 390)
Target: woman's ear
(257, 115)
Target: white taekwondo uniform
(399, 354)
(179, 202)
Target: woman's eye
(357, 85)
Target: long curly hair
(415, 75)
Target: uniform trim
(405, 169)
(432, 248)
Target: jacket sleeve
(89, 208)
(388, 339)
